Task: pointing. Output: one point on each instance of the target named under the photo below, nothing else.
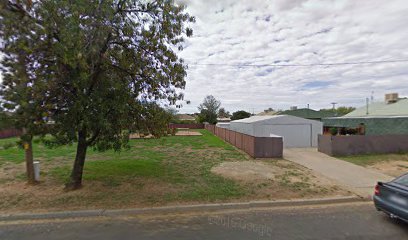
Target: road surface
(341, 221)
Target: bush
(240, 115)
(176, 121)
(333, 131)
(8, 145)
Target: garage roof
(257, 118)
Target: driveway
(355, 178)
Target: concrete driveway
(355, 178)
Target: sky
(231, 33)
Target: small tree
(222, 113)
(269, 110)
(341, 111)
(209, 109)
(240, 115)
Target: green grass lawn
(181, 164)
(371, 159)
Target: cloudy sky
(229, 35)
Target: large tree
(209, 109)
(104, 61)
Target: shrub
(8, 145)
(333, 131)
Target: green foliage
(154, 120)
(178, 121)
(209, 110)
(340, 111)
(269, 110)
(100, 62)
(5, 121)
(207, 116)
(344, 110)
(222, 113)
(8, 145)
(240, 115)
(333, 131)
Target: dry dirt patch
(279, 179)
(245, 170)
(11, 170)
(188, 133)
(50, 196)
(392, 168)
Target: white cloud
(301, 31)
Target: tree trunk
(28, 154)
(76, 174)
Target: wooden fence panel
(232, 138)
(254, 146)
(7, 133)
(238, 140)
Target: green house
(379, 118)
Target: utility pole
(367, 101)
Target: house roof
(381, 109)
(224, 119)
(307, 113)
(185, 117)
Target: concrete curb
(176, 209)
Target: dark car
(392, 197)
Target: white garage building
(296, 131)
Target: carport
(296, 131)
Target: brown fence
(187, 125)
(256, 147)
(6, 133)
(362, 144)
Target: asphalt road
(342, 221)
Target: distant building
(224, 119)
(379, 118)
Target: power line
(299, 65)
